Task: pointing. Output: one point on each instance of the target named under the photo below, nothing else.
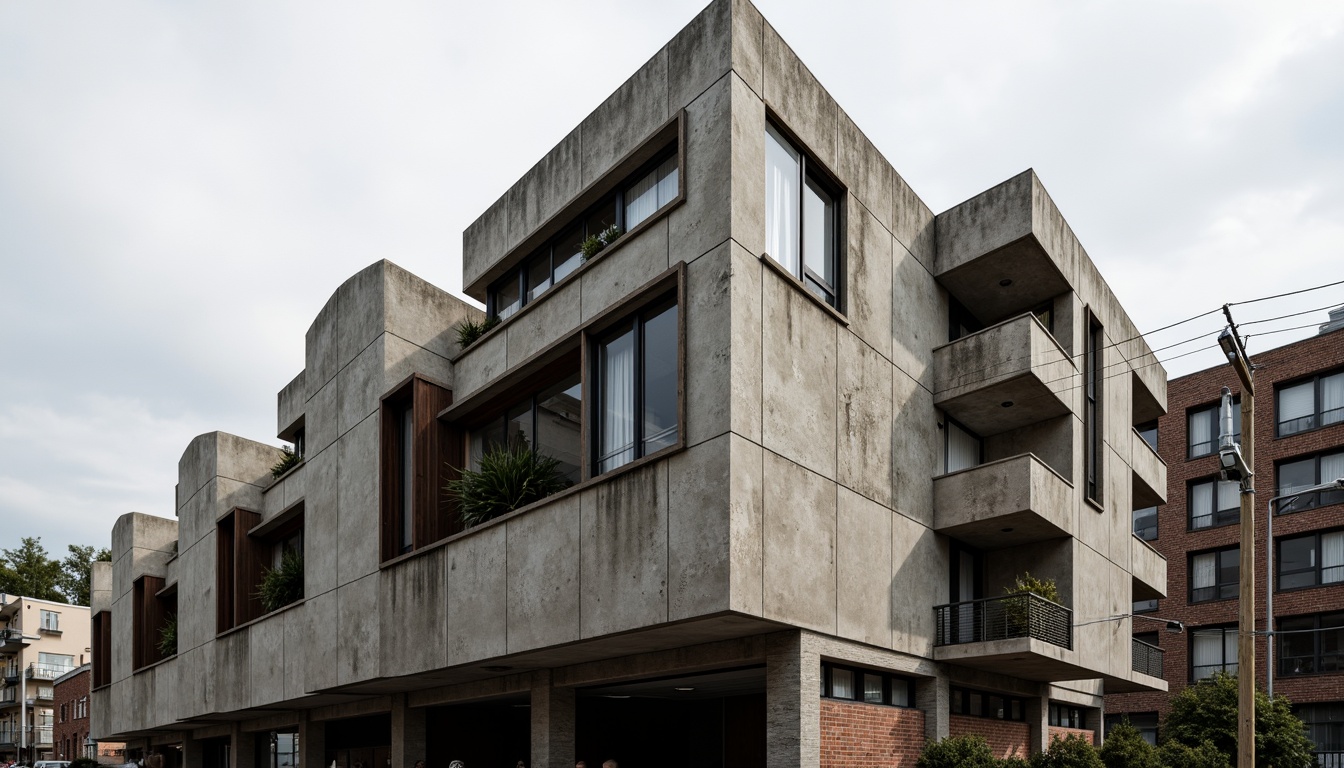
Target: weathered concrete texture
(266, 639)
(619, 272)
(800, 101)
(624, 560)
(476, 596)
(543, 576)
(799, 528)
(862, 548)
(728, 34)
(219, 454)
(554, 316)
(553, 720)
(700, 529)
(704, 220)
(1004, 504)
(748, 167)
(799, 377)
(918, 316)
(289, 404)
(864, 412)
(358, 646)
(1149, 569)
(416, 594)
(1051, 441)
(916, 439)
(357, 503)
(485, 361)
(546, 187)
(232, 671)
(321, 613)
(869, 299)
(637, 108)
(1150, 473)
(919, 566)
(723, 338)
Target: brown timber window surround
(150, 613)
(416, 448)
(246, 549)
(101, 648)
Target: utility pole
(1240, 465)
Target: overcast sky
(182, 186)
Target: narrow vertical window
(963, 449)
(783, 168)
(406, 478)
(637, 389)
(1092, 410)
(651, 192)
(801, 218)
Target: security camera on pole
(1236, 463)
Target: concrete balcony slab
(1005, 503)
(1150, 473)
(1022, 657)
(1149, 569)
(1004, 377)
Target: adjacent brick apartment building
(72, 714)
(1299, 443)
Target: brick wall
(1317, 354)
(69, 732)
(857, 734)
(1057, 732)
(1005, 738)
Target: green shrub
(594, 244)
(1208, 712)
(288, 460)
(957, 752)
(469, 330)
(1028, 584)
(282, 585)
(1124, 747)
(84, 762)
(509, 477)
(1173, 754)
(168, 637)
(1014, 762)
(1069, 752)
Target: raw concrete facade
(800, 522)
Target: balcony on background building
(12, 640)
(38, 671)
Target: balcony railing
(9, 696)
(1004, 618)
(32, 735)
(38, 671)
(1330, 758)
(1146, 659)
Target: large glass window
(1311, 560)
(1092, 409)
(853, 684)
(801, 218)
(1325, 728)
(1148, 431)
(1215, 575)
(1310, 645)
(636, 400)
(1214, 502)
(1144, 722)
(1304, 473)
(1145, 523)
(1065, 715)
(547, 421)
(986, 704)
(1203, 428)
(650, 192)
(1310, 404)
(1213, 650)
(962, 448)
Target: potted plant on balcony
(168, 637)
(1017, 611)
(509, 477)
(469, 330)
(288, 460)
(283, 584)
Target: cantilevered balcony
(1004, 377)
(1148, 569)
(1146, 659)
(1026, 633)
(12, 640)
(1150, 472)
(1005, 503)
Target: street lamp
(1334, 485)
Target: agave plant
(509, 477)
(168, 637)
(468, 331)
(288, 460)
(283, 584)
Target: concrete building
(810, 433)
(1299, 427)
(40, 641)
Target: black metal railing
(1146, 659)
(1004, 618)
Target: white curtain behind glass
(1205, 571)
(1201, 507)
(1332, 467)
(1229, 495)
(1332, 399)
(1201, 430)
(1230, 651)
(1206, 652)
(782, 193)
(1297, 402)
(963, 449)
(618, 403)
(1332, 557)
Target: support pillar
(193, 752)
(243, 748)
(933, 697)
(792, 703)
(1038, 722)
(408, 733)
(312, 743)
(552, 723)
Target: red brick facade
(1005, 738)
(1318, 354)
(70, 708)
(857, 734)
(1058, 732)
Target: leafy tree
(1068, 752)
(957, 752)
(1174, 754)
(29, 572)
(76, 570)
(1125, 748)
(1208, 712)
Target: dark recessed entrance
(480, 734)
(716, 720)
(359, 742)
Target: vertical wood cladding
(241, 562)
(869, 735)
(1006, 738)
(147, 617)
(436, 446)
(101, 650)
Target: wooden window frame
(100, 636)
(437, 449)
(149, 612)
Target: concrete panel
(196, 594)
(625, 552)
(422, 313)
(867, 173)
(799, 377)
(296, 647)
(196, 517)
(362, 312)
(703, 221)
(267, 657)
(799, 551)
(321, 523)
(746, 382)
(360, 384)
(863, 556)
(1004, 503)
(414, 591)
(543, 553)
(555, 316)
(800, 101)
(358, 642)
(748, 526)
(725, 350)
(486, 360)
(321, 612)
(484, 242)
(546, 187)
(320, 354)
(728, 33)
(402, 358)
(357, 483)
(913, 223)
(918, 317)
(1149, 568)
(290, 403)
(233, 672)
(295, 486)
(1150, 473)
(476, 596)
(323, 419)
(916, 439)
(919, 568)
(748, 167)
(232, 493)
(864, 430)
(617, 273)
(195, 468)
(699, 529)
(1105, 644)
(1051, 441)
(869, 287)
(626, 119)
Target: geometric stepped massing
(809, 433)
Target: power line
(1283, 330)
(1295, 314)
(1290, 293)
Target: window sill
(1281, 591)
(1188, 529)
(259, 619)
(148, 667)
(1211, 600)
(867, 703)
(798, 284)
(1095, 505)
(573, 489)
(275, 479)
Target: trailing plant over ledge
(509, 477)
(168, 637)
(288, 460)
(282, 585)
(595, 243)
(468, 331)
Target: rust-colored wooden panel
(389, 468)
(224, 574)
(101, 656)
(436, 445)
(250, 559)
(147, 618)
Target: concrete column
(243, 748)
(1038, 720)
(312, 744)
(933, 697)
(193, 752)
(552, 723)
(1094, 720)
(792, 703)
(408, 733)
